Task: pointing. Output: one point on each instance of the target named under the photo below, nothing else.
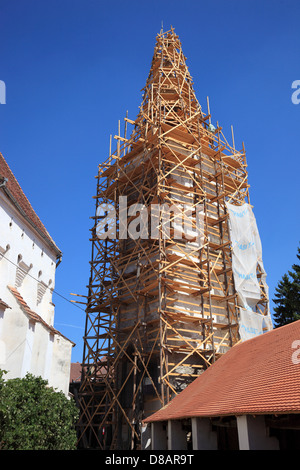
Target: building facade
(28, 261)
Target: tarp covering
(246, 257)
(253, 324)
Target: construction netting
(246, 264)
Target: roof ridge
(16, 193)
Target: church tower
(176, 271)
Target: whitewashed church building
(28, 261)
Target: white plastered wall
(28, 264)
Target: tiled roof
(258, 376)
(76, 369)
(75, 372)
(33, 316)
(13, 190)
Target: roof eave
(48, 240)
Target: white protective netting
(246, 257)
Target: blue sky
(72, 69)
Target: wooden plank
(180, 135)
(228, 160)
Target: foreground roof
(13, 190)
(258, 376)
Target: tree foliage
(287, 297)
(33, 416)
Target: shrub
(33, 416)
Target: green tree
(287, 297)
(33, 416)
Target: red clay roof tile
(75, 372)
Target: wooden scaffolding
(161, 309)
